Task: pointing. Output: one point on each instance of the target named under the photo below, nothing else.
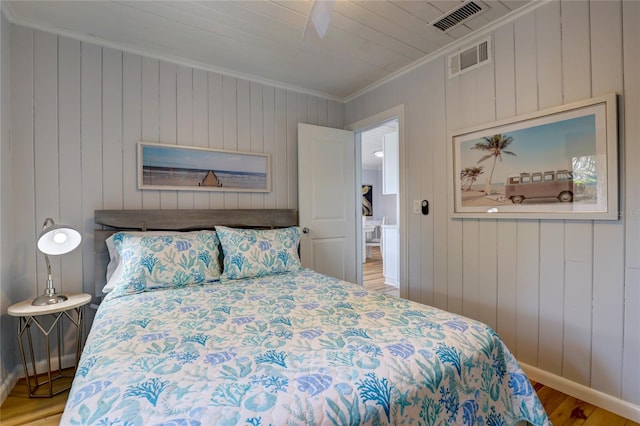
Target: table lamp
(55, 240)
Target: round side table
(30, 315)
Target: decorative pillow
(256, 253)
(150, 262)
(114, 255)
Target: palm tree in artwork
(470, 175)
(495, 146)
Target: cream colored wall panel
(70, 157)
(23, 220)
(608, 237)
(436, 137)
(551, 299)
(528, 231)
(150, 118)
(280, 162)
(200, 122)
(296, 113)
(269, 138)
(184, 122)
(112, 128)
(257, 133)
(230, 128)
(244, 131)
(216, 127)
(91, 131)
(131, 128)
(631, 111)
(46, 154)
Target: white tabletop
(26, 309)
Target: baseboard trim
(8, 383)
(618, 406)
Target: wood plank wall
(77, 112)
(564, 295)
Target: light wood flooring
(372, 278)
(562, 409)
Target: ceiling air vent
(458, 15)
(470, 57)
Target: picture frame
(190, 168)
(560, 163)
(367, 200)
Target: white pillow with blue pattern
(257, 253)
(152, 262)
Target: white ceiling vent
(470, 57)
(459, 14)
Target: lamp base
(49, 299)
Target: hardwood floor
(562, 409)
(372, 278)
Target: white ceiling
(367, 40)
(371, 141)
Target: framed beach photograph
(174, 167)
(559, 163)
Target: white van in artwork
(551, 184)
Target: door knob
(305, 230)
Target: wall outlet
(416, 206)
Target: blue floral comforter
(297, 349)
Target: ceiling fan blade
(320, 16)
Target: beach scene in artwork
(546, 164)
(175, 167)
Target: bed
(277, 344)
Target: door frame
(358, 127)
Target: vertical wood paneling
(280, 161)
(244, 131)
(46, 149)
(23, 220)
(200, 111)
(184, 122)
(549, 69)
(528, 243)
(112, 127)
(230, 128)
(631, 111)
(70, 160)
(131, 128)
(257, 133)
(506, 322)
(216, 128)
(269, 138)
(415, 125)
(441, 144)
(91, 131)
(150, 118)
(608, 237)
(578, 234)
(453, 100)
(296, 113)
(323, 112)
(168, 124)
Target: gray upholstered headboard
(113, 221)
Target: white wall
(7, 324)
(77, 112)
(564, 295)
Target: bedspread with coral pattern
(298, 349)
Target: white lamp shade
(57, 239)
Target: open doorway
(380, 179)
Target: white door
(327, 200)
